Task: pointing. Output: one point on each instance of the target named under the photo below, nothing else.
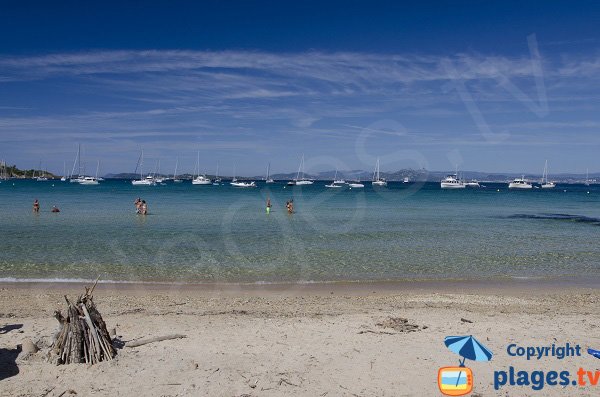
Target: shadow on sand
(8, 364)
(10, 327)
(8, 357)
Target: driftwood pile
(83, 337)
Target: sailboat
(175, 179)
(64, 175)
(587, 177)
(200, 179)
(148, 181)
(77, 162)
(377, 180)
(157, 177)
(336, 184)
(545, 183)
(41, 177)
(4, 171)
(268, 179)
(300, 181)
(217, 181)
(89, 180)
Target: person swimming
(55, 209)
(36, 206)
(144, 208)
(138, 205)
(268, 205)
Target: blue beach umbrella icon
(468, 348)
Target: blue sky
(491, 87)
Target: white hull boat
(377, 180)
(452, 182)
(243, 184)
(520, 183)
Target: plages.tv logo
(458, 381)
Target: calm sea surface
(223, 234)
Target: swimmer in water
(268, 205)
(36, 206)
(55, 209)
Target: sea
(223, 234)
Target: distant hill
(11, 171)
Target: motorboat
(472, 183)
(89, 180)
(237, 183)
(520, 183)
(452, 182)
(201, 180)
(356, 184)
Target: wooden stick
(145, 341)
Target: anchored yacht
(520, 183)
(452, 182)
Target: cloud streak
(230, 100)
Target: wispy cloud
(233, 100)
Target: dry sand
(295, 340)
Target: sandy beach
(325, 340)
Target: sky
(482, 86)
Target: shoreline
(492, 286)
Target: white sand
(294, 344)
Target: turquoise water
(222, 234)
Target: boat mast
(75, 162)
(176, 164)
(300, 168)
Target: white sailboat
(377, 180)
(3, 171)
(175, 179)
(89, 180)
(217, 181)
(77, 163)
(42, 177)
(298, 181)
(587, 177)
(336, 184)
(64, 175)
(545, 183)
(406, 180)
(200, 179)
(157, 177)
(268, 178)
(148, 181)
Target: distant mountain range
(413, 175)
